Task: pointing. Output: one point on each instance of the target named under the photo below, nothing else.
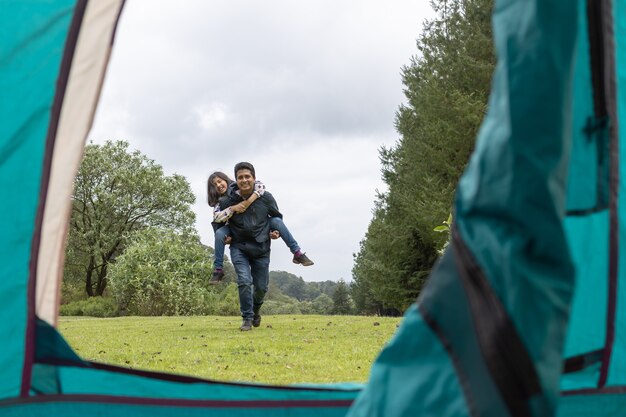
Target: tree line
(446, 87)
(132, 247)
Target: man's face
(245, 181)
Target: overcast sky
(305, 90)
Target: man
(250, 242)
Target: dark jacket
(250, 230)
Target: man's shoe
(302, 259)
(256, 320)
(246, 325)
(217, 277)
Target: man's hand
(227, 240)
(239, 208)
(274, 234)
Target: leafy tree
(447, 87)
(116, 193)
(321, 287)
(281, 278)
(312, 291)
(285, 287)
(274, 293)
(297, 288)
(341, 299)
(289, 284)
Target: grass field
(285, 349)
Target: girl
(218, 185)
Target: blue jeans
(220, 246)
(276, 223)
(253, 277)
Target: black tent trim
(503, 351)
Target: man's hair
(244, 165)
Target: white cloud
(210, 116)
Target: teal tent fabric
(596, 329)
(31, 48)
(617, 370)
(534, 234)
(523, 315)
(529, 300)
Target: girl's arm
(222, 216)
(259, 189)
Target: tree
(116, 193)
(447, 88)
(289, 284)
(323, 287)
(365, 302)
(311, 291)
(341, 299)
(297, 288)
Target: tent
(523, 316)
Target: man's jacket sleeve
(272, 206)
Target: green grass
(285, 349)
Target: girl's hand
(239, 208)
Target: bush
(163, 273)
(228, 302)
(92, 306)
(306, 307)
(276, 307)
(323, 304)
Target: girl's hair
(214, 196)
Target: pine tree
(447, 88)
(341, 299)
